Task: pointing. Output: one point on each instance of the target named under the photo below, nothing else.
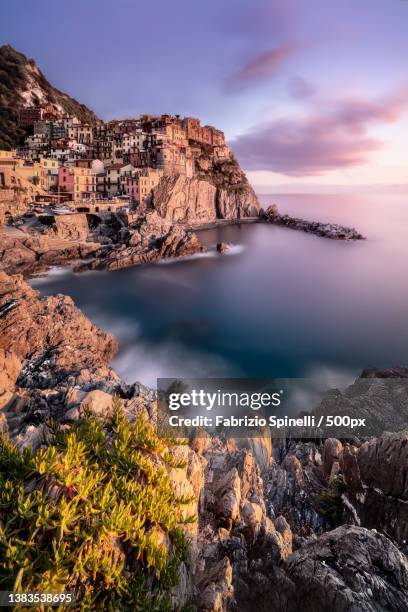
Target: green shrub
(95, 514)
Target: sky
(308, 92)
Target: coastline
(196, 227)
(149, 240)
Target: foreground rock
(377, 485)
(294, 484)
(325, 230)
(50, 336)
(382, 401)
(350, 568)
(48, 349)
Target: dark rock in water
(222, 247)
(325, 230)
(272, 212)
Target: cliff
(217, 190)
(23, 84)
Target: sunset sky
(307, 91)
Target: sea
(279, 303)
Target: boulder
(98, 403)
(331, 453)
(377, 483)
(348, 569)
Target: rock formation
(218, 190)
(350, 568)
(324, 230)
(41, 330)
(223, 247)
(381, 401)
(27, 253)
(377, 486)
(153, 238)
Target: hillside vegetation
(93, 514)
(20, 75)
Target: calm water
(281, 303)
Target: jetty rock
(324, 230)
(223, 247)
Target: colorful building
(49, 173)
(80, 182)
(139, 184)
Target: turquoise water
(280, 303)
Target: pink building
(131, 188)
(79, 181)
(66, 179)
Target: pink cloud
(262, 66)
(336, 137)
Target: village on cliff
(101, 167)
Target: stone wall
(16, 193)
(12, 204)
(72, 226)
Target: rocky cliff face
(218, 190)
(377, 486)
(38, 333)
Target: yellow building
(30, 172)
(8, 157)
(81, 182)
(49, 173)
(139, 184)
